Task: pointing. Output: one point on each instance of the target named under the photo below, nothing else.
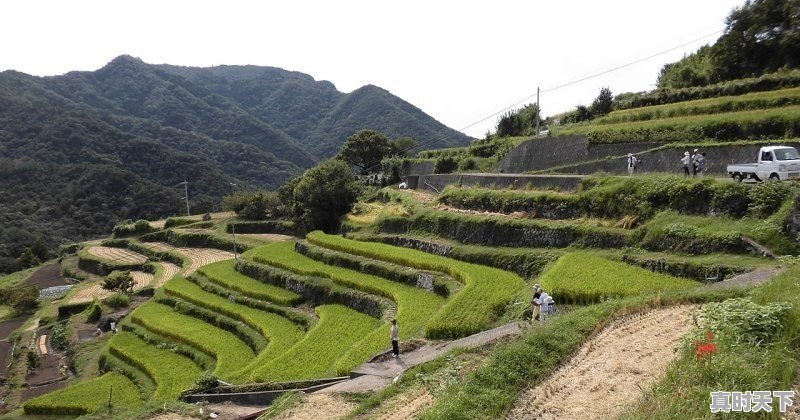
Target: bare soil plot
(121, 255)
(611, 370)
(319, 406)
(47, 276)
(7, 327)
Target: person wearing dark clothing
(394, 335)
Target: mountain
(85, 150)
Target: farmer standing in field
(394, 335)
(537, 292)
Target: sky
(461, 62)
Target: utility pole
(233, 227)
(186, 194)
(538, 111)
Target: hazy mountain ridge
(155, 125)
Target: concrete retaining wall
(574, 155)
(437, 182)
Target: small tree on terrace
(325, 193)
(365, 150)
(119, 281)
(602, 105)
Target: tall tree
(365, 150)
(603, 104)
(324, 194)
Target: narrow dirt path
(319, 406)
(610, 371)
(752, 278)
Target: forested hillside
(85, 150)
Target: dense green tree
(28, 258)
(760, 37)
(22, 299)
(519, 122)
(402, 147)
(365, 150)
(603, 104)
(324, 194)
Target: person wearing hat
(686, 161)
(695, 162)
(631, 163)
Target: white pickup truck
(774, 163)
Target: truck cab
(774, 163)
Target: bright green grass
(281, 333)
(472, 310)
(231, 353)
(415, 306)
(224, 274)
(315, 356)
(580, 277)
(756, 100)
(767, 232)
(172, 373)
(86, 397)
(681, 127)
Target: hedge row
(171, 372)
(280, 332)
(140, 227)
(381, 269)
(315, 356)
(758, 100)
(584, 278)
(504, 231)
(86, 397)
(230, 352)
(172, 222)
(472, 310)
(415, 307)
(778, 123)
(282, 227)
(772, 81)
(224, 274)
(316, 291)
(615, 197)
(193, 240)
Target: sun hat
(630, 154)
(685, 153)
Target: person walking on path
(686, 161)
(394, 335)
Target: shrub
(445, 165)
(32, 360)
(177, 222)
(128, 228)
(118, 300)
(93, 312)
(58, 336)
(119, 281)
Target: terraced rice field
(169, 271)
(120, 255)
(96, 290)
(198, 256)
